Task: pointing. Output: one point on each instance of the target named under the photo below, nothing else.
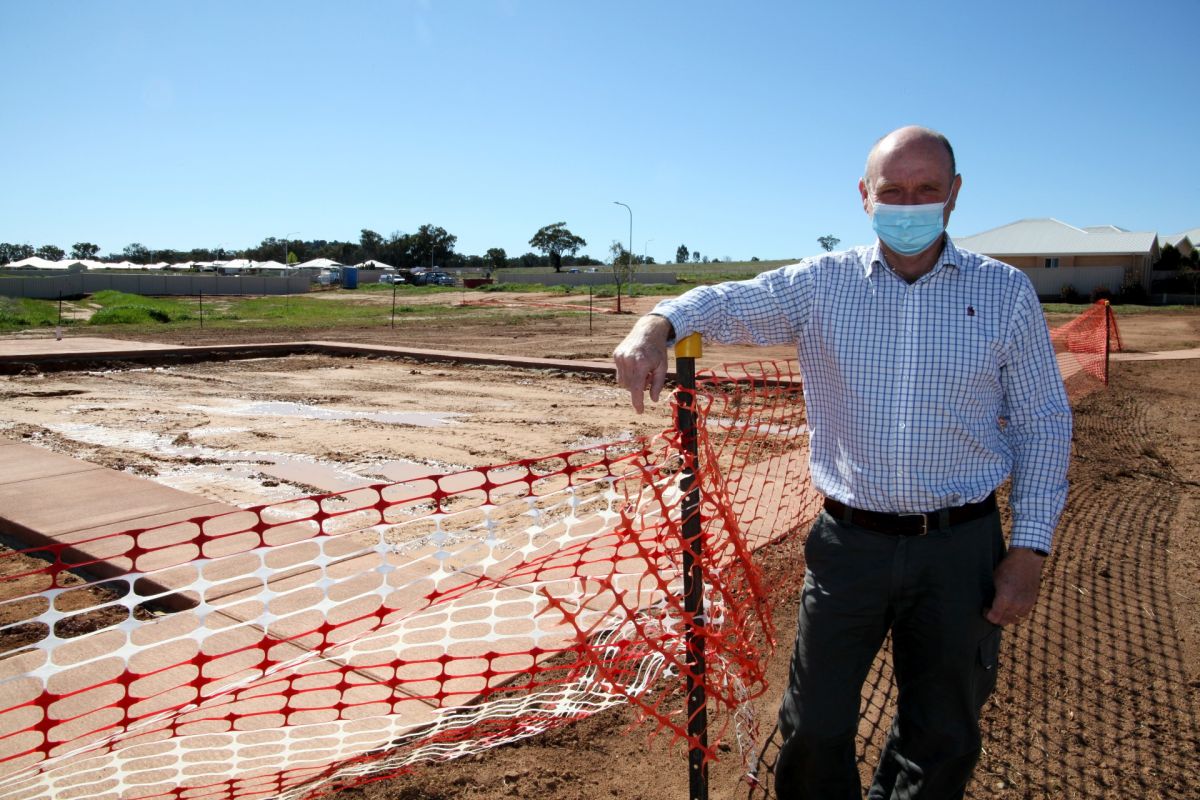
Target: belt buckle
(924, 522)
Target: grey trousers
(930, 592)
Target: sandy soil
(1099, 696)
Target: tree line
(431, 246)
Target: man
(929, 379)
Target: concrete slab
(20, 463)
(83, 345)
(57, 496)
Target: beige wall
(1127, 261)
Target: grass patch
(403, 289)
(121, 308)
(129, 315)
(18, 313)
(639, 289)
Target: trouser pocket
(987, 663)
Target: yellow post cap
(689, 347)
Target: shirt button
(901, 426)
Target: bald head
(911, 141)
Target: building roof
(319, 263)
(1048, 236)
(36, 262)
(1192, 236)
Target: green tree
(554, 240)
(497, 258)
(681, 254)
(371, 244)
(137, 253)
(50, 253)
(1189, 272)
(828, 241)
(14, 252)
(696, 256)
(1169, 258)
(429, 242)
(397, 250)
(85, 250)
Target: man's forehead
(894, 161)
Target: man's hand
(641, 359)
(1018, 578)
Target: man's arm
(767, 309)
(1038, 429)
(641, 359)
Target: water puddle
(423, 419)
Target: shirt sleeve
(769, 309)
(1037, 427)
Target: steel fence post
(687, 350)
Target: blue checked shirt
(919, 396)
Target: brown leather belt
(910, 524)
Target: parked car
(391, 277)
(439, 279)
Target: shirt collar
(950, 257)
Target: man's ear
(865, 194)
(955, 185)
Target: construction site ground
(1098, 692)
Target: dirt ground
(1099, 695)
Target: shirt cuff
(678, 326)
(1033, 536)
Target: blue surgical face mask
(908, 229)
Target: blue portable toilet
(349, 277)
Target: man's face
(910, 173)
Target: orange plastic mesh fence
(291, 649)
(1083, 345)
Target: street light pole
(285, 242)
(630, 253)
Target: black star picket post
(687, 350)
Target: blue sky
(738, 129)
